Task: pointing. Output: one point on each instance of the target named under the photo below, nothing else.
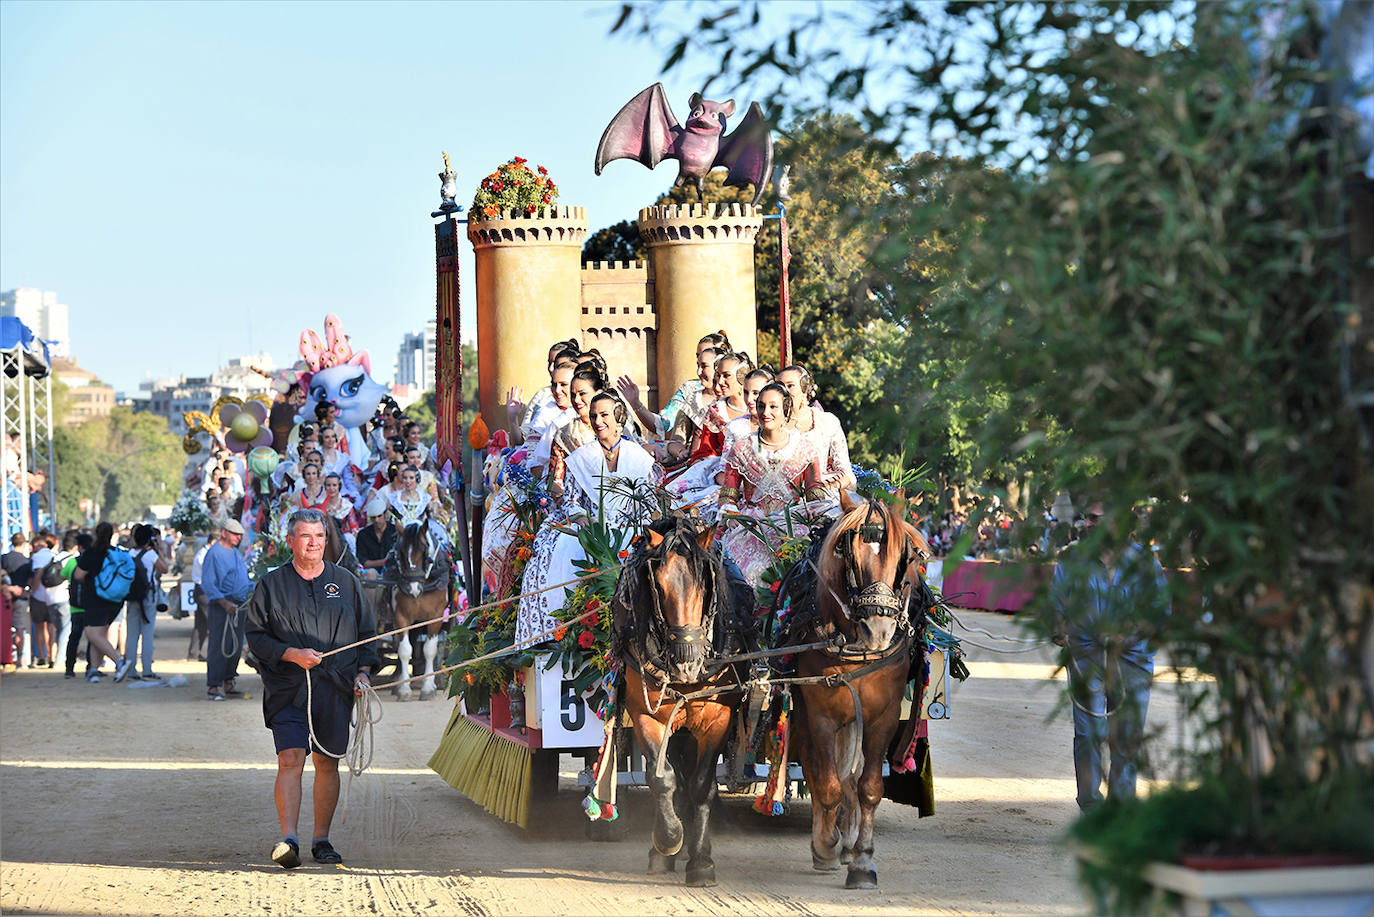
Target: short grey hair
(303, 515)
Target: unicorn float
(333, 373)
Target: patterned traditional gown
(761, 483)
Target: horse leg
(701, 794)
(402, 690)
(826, 792)
(427, 689)
(863, 871)
(667, 832)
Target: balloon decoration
(239, 425)
(262, 461)
(246, 425)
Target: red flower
(586, 639)
(531, 208)
(543, 171)
(593, 604)
(624, 554)
(519, 160)
(546, 199)
(774, 586)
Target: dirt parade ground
(120, 800)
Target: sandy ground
(121, 801)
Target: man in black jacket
(297, 615)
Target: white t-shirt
(196, 564)
(149, 563)
(49, 595)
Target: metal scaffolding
(26, 415)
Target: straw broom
(489, 769)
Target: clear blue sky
(198, 180)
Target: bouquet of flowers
(189, 515)
(514, 186)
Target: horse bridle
(404, 567)
(687, 645)
(877, 599)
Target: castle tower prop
(529, 294)
(703, 265)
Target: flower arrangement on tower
(515, 187)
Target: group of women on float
(398, 479)
(736, 442)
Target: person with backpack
(142, 600)
(81, 542)
(50, 592)
(105, 573)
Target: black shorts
(102, 616)
(332, 714)
(40, 612)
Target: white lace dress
(554, 553)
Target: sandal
(324, 852)
(230, 690)
(214, 694)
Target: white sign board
(188, 596)
(564, 717)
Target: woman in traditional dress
(682, 416)
(821, 428)
(312, 494)
(730, 419)
(340, 507)
(410, 502)
(521, 417)
(766, 473)
(567, 439)
(585, 479)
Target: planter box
(1334, 891)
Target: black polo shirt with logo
(322, 614)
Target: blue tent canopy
(15, 335)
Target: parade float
(518, 711)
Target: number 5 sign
(563, 715)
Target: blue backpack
(116, 575)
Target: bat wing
(747, 152)
(644, 130)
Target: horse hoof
(405, 697)
(658, 863)
(861, 878)
(701, 876)
(427, 695)
(823, 864)
(668, 850)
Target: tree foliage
(135, 454)
(1129, 251)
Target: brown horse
(863, 574)
(674, 613)
(421, 595)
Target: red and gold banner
(448, 356)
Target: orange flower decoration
(560, 633)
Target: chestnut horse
(863, 573)
(674, 612)
(421, 595)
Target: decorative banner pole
(784, 284)
(448, 363)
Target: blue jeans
(141, 618)
(1109, 682)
